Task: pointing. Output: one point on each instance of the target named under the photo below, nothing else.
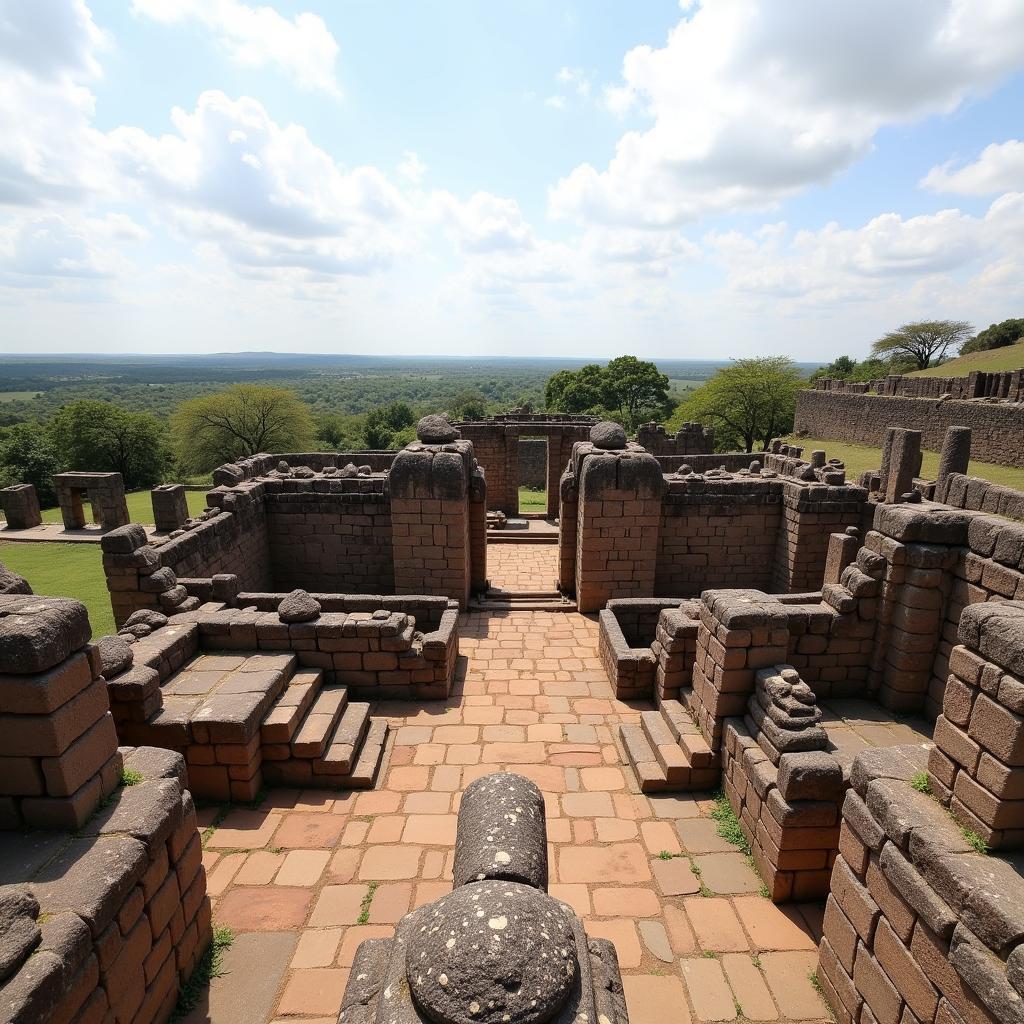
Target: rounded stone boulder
(608, 436)
(502, 832)
(494, 952)
(435, 429)
(298, 606)
(116, 655)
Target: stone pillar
(170, 507)
(904, 462)
(955, 457)
(105, 492)
(883, 471)
(58, 745)
(21, 506)
(976, 767)
(618, 518)
(842, 551)
(568, 503)
(430, 512)
(478, 530)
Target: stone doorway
(532, 476)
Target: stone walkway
(50, 533)
(523, 566)
(308, 875)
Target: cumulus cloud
(999, 168)
(232, 174)
(751, 101)
(303, 47)
(484, 223)
(48, 52)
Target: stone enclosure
(844, 660)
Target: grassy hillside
(993, 361)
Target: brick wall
(996, 427)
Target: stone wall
(689, 439)
(918, 926)
(996, 427)
(533, 462)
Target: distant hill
(1009, 358)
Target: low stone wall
(533, 462)
(996, 427)
(689, 439)
(918, 926)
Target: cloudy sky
(549, 177)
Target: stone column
(170, 507)
(955, 457)
(21, 506)
(842, 551)
(430, 512)
(977, 765)
(58, 745)
(904, 463)
(618, 518)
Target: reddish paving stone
(318, 990)
(338, 905)
(715, 924)
(263, 908)
(789, 978)
(622, 934)
(655, 999)
(317, 947)
(710, 995)
(381, 863)
(354, 936)
(675, 877)
(430, 829)
(304, 831)
(631, 902)
(621, 862)
(727, 873)
(390, 902)
(772, 927)
(243, 829)
(303, 867)
(749, 987)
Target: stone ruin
(105, 492)
(103, 906)
(497, 948)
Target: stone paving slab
(333, 869)
(55, 533)
(523, 566)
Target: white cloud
(484, 223)
(412, 168)
(303, 47)
(50, 151)
(999, 168)
(751, 101)
(263, 191)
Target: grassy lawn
(140, 507)
(531, 500)
(994, 361)
(859, 457)
(65, 570)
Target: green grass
(532, 500)
(993, 361)
(18, 396)
(728, 824)
(920, 782)
(65, 570)
(859, 457)
(130, 777)
(209, 967)
(140, 507)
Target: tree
(28, 456)
(468, 405)
(240, 421)
(637, 388)
(102, 438)
(752, 400)
(576, 391)
(923, 341)
(1007, 332)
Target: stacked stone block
(918, 926)
(618, 516)
(58, 746)
(430, 486)
(784, 785)
(20, 504)
(170, 507)
(675, 650)
(977, 765)
(106, 919)
(106, 495)
(136, 577)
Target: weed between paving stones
(364, 907)
(209, 967)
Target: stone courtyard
(695, 938)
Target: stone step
(345, 741)
(498, 594)
(668, 753)
(683, 727)
(313, 736)
(649, 772)
(283, 719)
(364, 773)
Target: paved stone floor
(305, 877)
(523, 566)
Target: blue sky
(726, 177)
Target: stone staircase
(668, 752)
(494, 599)
(248, 720)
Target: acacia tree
(923, 341)
(100, 437)
(240, 421)
(752, 400)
